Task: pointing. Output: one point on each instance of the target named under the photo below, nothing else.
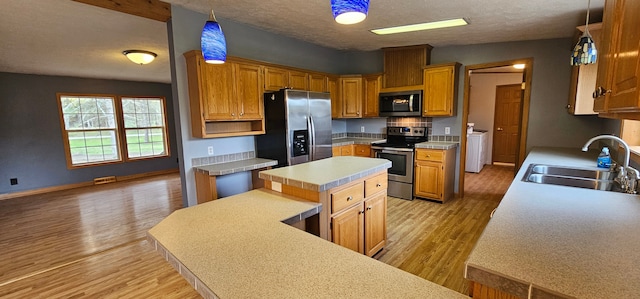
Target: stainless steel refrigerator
(298, 127)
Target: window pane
(76, 140)
(105, 106)
(158, 148)
(142, 120)
(156, 120)
(78, 155)
(73, 121)
(155, 106)
(70, 105)
(88, 105)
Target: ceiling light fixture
(212, 42)
(349, 12)
(140, 56)
(421, 26)
(585, 50)
(519, 66)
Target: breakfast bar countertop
(548, 240)
(238, 247)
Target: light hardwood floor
(89, 242)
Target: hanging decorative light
(349, 12)
(212, 42)
(585, 50)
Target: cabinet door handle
(241, 113)
(378, 185)
(361, 212)
(428, 156)
(349, 198)
(233, 114)
(368, 208)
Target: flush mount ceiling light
(212, 42)
(519, 66)
(349, 12)
(421, 26)
(585, 50)
(140, 56)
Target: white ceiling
(62, 37)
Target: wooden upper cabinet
(277, 78)
(619, 60)
(336, 103)
(225, 99)
(249, 91)
(371, 101)
(403, 65)
(440, 89)
(318, 83)
(351, 96)
(298, 80)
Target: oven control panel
(407, 131)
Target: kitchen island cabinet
(548, 241)
(240, 247)
(352, 191)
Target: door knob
(499, 129)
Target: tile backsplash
(358, 135)
(409, 122)
(444, 138)
(222, 158)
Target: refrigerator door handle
(312, 138)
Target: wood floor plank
(89, 242)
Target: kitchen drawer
(346, 150)
(346, 197)
(362, 150)
(375, 184)
(429, 155)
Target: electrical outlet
(447, 130)
(210, 150)
(361, 129)
(14, 181)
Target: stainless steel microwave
(402, 103)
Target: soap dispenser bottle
(604, 158)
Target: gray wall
(246, 42)
(31, 145)
(549, 122)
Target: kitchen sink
(572, 177)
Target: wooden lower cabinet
(434, 173)
(362, 227)
(347, 228)
(480, 291)
(360, 150)
(353, 215)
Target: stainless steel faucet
(627, 176)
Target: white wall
(482, 101)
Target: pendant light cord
(586, 25)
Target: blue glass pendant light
(212, 42)
(349, 11)
(585, 50)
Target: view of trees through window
(144, 126)
(93, 128)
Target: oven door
(401, 163)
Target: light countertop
(355, 140)
(237, 247)
(437, 145)
(565, 241)
(327, 173)
(236, 166)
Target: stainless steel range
(399, 149)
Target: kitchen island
(239, 247)
(547, 241)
